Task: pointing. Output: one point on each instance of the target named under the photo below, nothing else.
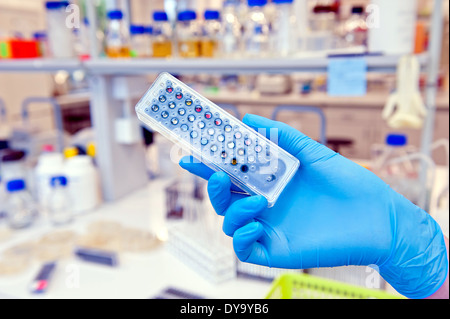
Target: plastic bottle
(59, 202)
(162, 35)
(60, 36)
(49, 164)
(256, 35)
(355, 28)
(117, 37)
(211, 34)
(231, 35)
(188, 34)
(20, 208)
(83, 183)
(285, 28)
(139, 47)
(391, 26)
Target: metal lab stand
(56, 114)
(2, 110)
(122, 166)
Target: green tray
(4, 50)
(303, 286)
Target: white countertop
(139, 275)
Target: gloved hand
(333, 213)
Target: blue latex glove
(333, 213)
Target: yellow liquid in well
(189, 49)
(208, 48)
(162, 49)
(123, 52)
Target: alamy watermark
(373, 278)
(73, 19)
(72, 280)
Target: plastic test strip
(222, 142)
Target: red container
(21, 49)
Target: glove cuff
(418, 264)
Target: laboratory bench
(139, 275)
(144, 274)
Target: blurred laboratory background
(93, 205)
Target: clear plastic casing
(254, 163)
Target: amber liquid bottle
(162, 49)
(211, 29)
(189, 48)
(121, 52)
(162, 35)
(117, 39)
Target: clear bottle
(117, 37)
(82, 42)
(396, 163)
(322, 23)
(21, 209)
(256, 34)
(59, 202)
(138, 41)
(355, 28)
(162, 35)
(12, 165)
(285, 28)
(231, 35)
(211, 34)
(148, 33)
(395, 147)
(60, 37)
(188, 34)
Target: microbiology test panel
(219, 140)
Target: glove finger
(241, 212)
(194, 166)
(246, 246)
(220, 192)
(294, 142)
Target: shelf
(380, 64)
(39, 65)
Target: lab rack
(121, 165)
(303, 286)
(193, 240)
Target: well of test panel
(254, 163)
